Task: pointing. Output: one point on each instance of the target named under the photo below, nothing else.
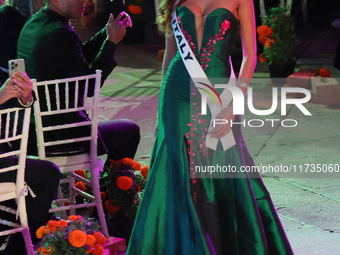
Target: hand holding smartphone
(16, 65)
(116, 7)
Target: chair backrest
(12, 130)
(62, 108)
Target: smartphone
(116, 7)
(16, 65)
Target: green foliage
(282, 24)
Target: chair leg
(28, 241)
(96, 191)
(60, 196)
(71, 194)
(100, 211)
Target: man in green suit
(53, 50)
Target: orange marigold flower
(51, 226)
(100, 238)
(98, 249)
(80, 173)
(262, 58)
(40, 232)
(77, 238)
(144, 171)
(136, 165)
(90, 240)
(134, 9)
(323, 72)
(124, 182)
(61, 223)
(138, 188)
(264, 30)
(268, 42)
(102, 195)
(262, 39)
(126, 161)
(75, 217)
(81, 186)
(112, 160)
(40, 249)
(275, 18)
(110, 207)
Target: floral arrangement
(76, 236)
(79, 185)
(277, 35)
(122, 187)
(136, 8)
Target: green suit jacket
(53, 50)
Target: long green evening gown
(179, 215)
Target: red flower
(262, 58)
(126, 161)
(100, 238)
(51, 226)
(225, 25)
(90, 240)
(81, 186)
(98, 249)
(61, 223)
(77, 238)
(133, 9)
(40, 232)
(80, 173)
(75, 217)
(262, 39)
(269, 42)
(145, 171)
(111, 208)
(323, 72)
(137, 165)
(102, 195)
(264, 30)
(124, 182)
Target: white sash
(198, 75)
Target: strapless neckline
(209, 19)
(212, 12)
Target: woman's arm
(169, 54)
(248, 37)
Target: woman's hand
(221, 130)
(23, 85)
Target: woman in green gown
(183, 215)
